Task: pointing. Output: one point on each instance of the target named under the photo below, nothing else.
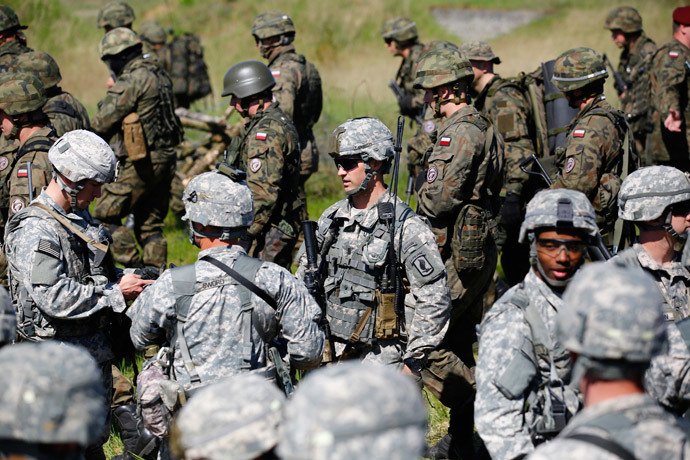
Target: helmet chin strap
(363, 186)
(669, 228)
(73, 191)
(440, 101)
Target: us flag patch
(50, 248)
(673, 54)
(261, 136)
(275, 73)
(445, 141)
(22, 173)
(579, 133)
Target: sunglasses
(681, 209)
(388, 41)
(553, 247)
(348, 164)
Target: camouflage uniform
(670, 90)
(353, 411)
(358, 233)
(153, 35)
(268, 149)
(8, 322)
(143, 186)
(234, 419)
(16, 46)
(668, 378)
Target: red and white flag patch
(445, 141)
(673, 54)
(22, 173)
(579, 133)
(261, 136)
(275, 73)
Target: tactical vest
(353, 287)
(162, 128)
(33, 144)
(550, 402)
(32, 324)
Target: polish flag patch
(275, 73)
(22, 173)
(261, 136)
(445, 141)
(673, 54)
(579, 133)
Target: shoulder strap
(252, 265)
(684, 328)
(183, 281)
(73, 228)
(606, 444)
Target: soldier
(502, 102)
(521, 368)
(51, 406)
(138, 117)
(12, 39)
(400, 36)
(61, 285)
(612, 325)
(220, 323)
(298, 84)
(154, 35)
(598, 152)
(8, 321)
(268, 149)
(354, 411)
(625, 24)
(669, 140)
(234, 419)
(367, 320)
(463, 181)
(114, 14)
(64, 111)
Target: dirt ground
(473, 24)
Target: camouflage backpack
(313, 102)
(189, 72)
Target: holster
(134, 139)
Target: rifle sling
(73, 228)
(243, 281)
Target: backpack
(189, 72)
(313, 102)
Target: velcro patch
(261, 136)
(569, 164)
(444, 141)
(17, 205)
(275, 73)
(431, 174)
(673, 54)
(254, 164)
(579, 133)
(422, 265)
(22, 173)
(429, 126)
(4, 163)
(49, 247)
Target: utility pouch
(153, 411)
(133, 134)
(471, 230)
(386, 323)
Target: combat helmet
(152, 32)
(79, 156)
(437, 44)
(42, 65)
(116, 41)
(246, 79)
(115, 13)
(329, 417)
(8, 320)
(234, 419)
(9, 19)
(52, 394)
(400, 29)
(578, 67)
(20, 92)
(272, 23)
(612, 318)
(479, 51)
(442, 66)
(215, 199)
(366, 138)
(625, 19)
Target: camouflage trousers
(276, 245)
(142, 189)
(309, 156)
(449, 373)
(95, 450)
(666, 148)
(123, 390)
(176, 192)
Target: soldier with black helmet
(268, 150)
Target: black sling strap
(243, 281)
(608, 445)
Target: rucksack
(189, 72)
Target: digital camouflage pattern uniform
(356, 253)
(8, 320)
(222, 334)
(634, 66)
(268, 150)
(65, 112)
(143, 186)
(236, 418)
(670, 90)
(593, 159)
(353, 411)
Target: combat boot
(135, 437)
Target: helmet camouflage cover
(118, 40)
(400, 29)
(559, 209)
(437, 44)
(152, 32)
(42, 65)
(82, 155)
(442, 66)
(20, 92)
(624, 18)
(212, 198)
(365, 137)
(612, 312)
(234, 419)
(646, 193)
(9, 19)
(115, 13)
(479, 51)
(52, 393)
(272, 23)
(578, 67)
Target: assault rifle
(620, 83)
(597, 251)
(312, 279)
(399, 95)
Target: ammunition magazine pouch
(470, 233)
(134, 138)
